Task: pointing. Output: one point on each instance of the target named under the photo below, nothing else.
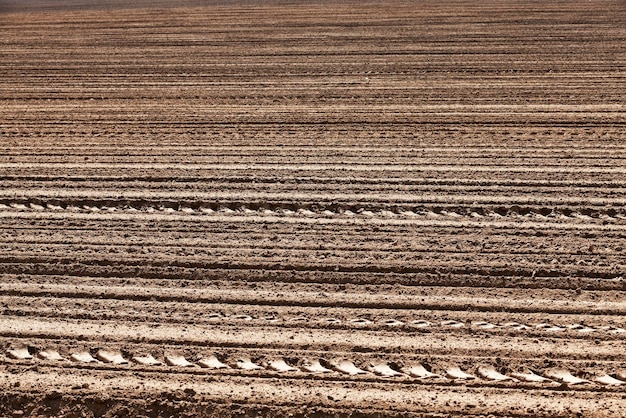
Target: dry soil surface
(313, 208)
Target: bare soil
(312, 209)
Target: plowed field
(313, 209)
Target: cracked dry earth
(313, 209)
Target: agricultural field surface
(312, 208)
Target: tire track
(233, 364)
(322, 209)
(266, 204)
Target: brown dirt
(316, 200)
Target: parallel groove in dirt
(530, 303)
(436, 184)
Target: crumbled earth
(312, 209)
